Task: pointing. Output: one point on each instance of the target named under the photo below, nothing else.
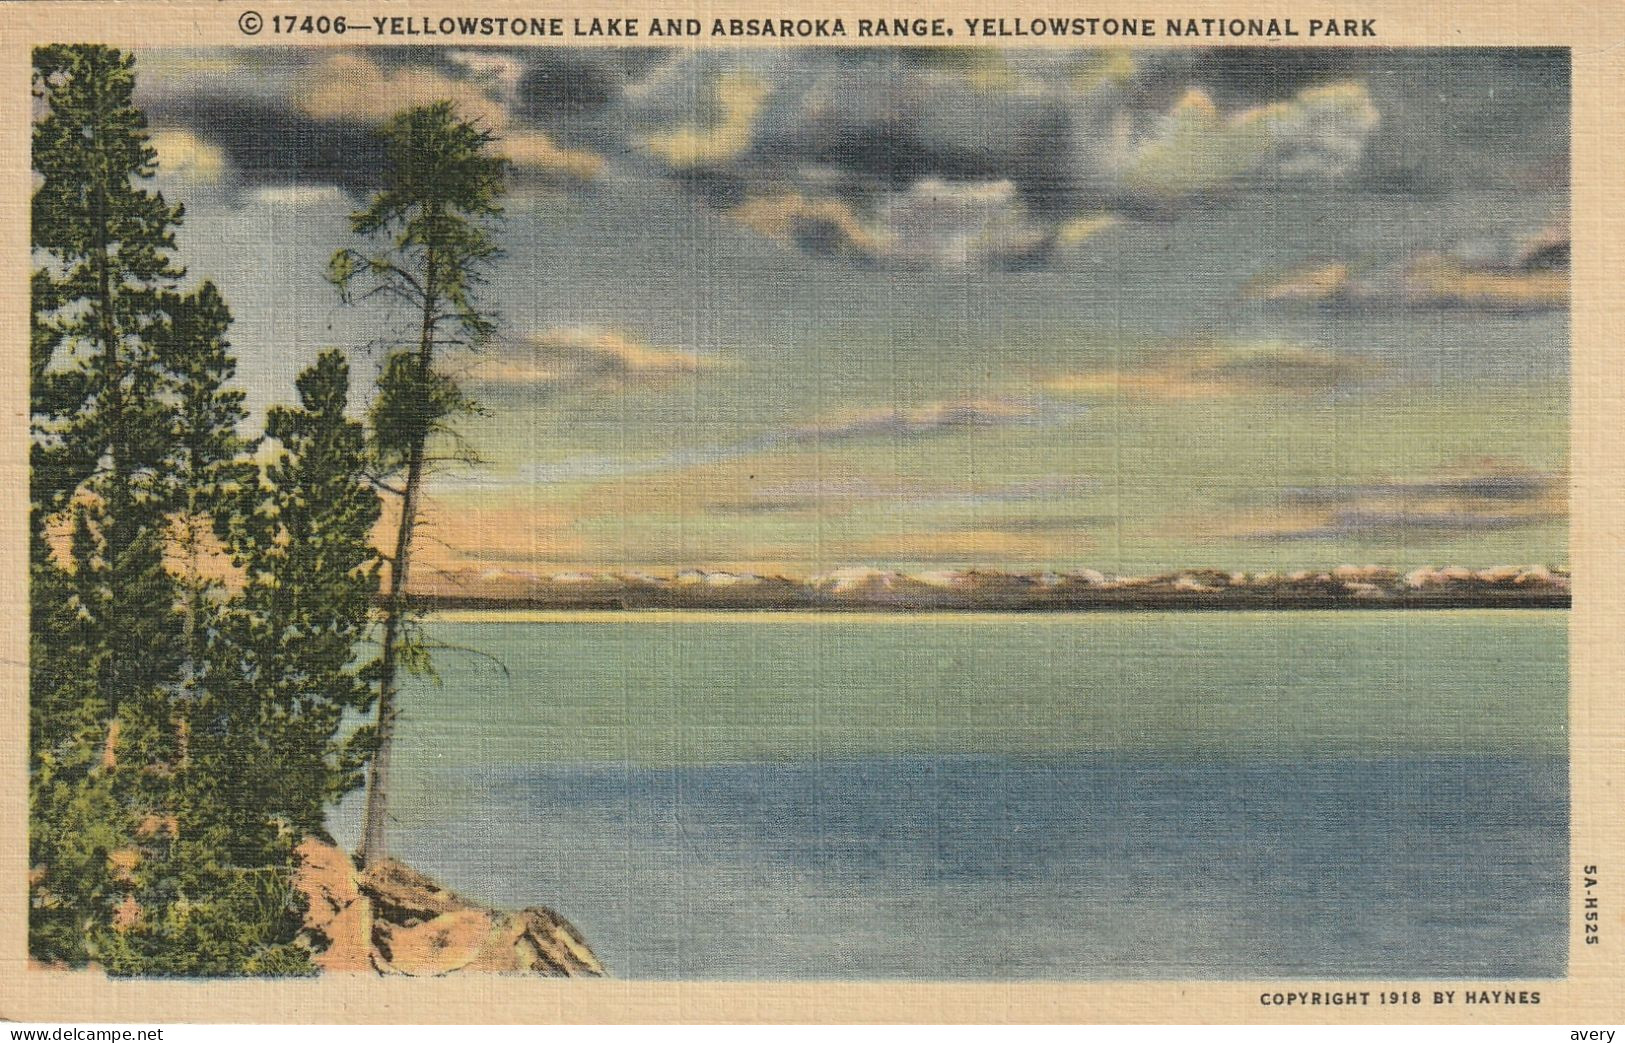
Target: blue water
(1073, 867)
(1064, 796)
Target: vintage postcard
(648, 513)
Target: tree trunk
(373, 844)
(374, 847)
(116, 507)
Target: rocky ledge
(391, 919)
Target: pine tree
(429, 246)
(102, 422)
(106, 415)
(208, 473)
(207, 468)
(304, 542)
(266, 751)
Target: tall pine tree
(103, 424)
(429, 244)
(303, 541)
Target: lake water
(1069, 796)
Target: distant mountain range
(1348, 586)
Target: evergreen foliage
(427, 244)
(195, 619)
(311, 577)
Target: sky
(793, 310)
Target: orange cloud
(1323, 283)
(183, 154)
(967, 546)
(584, 355)
(1533, 278)
(459, 537)
(830, 224)
(1440, 281)
(1221, 372)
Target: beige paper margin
(1594, 990)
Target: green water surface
(680, 688)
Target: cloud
(826, 494)
(1197, 150)
(1488, 482)
(601, 467)
(297, 197)
(933, 223)
(353, 88)
(310, 118)
(959, 225)
(1487, 496)
(967, 158)
(915, 421)
(497, 71)
(573, 87)
(1204, 372)
(1317, 283)
(895, 423)
(757, 487)
(876, 159)
(827, 226)
(1546, 250)
(1427, 282)
(1061, 524)
(737, 97)
(969, 546)
(610, 352)
(463, 531)
(1529, 275)
(1081, 229)
(946, 157)
(535, 151)
(184, 155)
(508, 372)
(582, 355)
(243, 103)
(1441, 281)
(269, 142)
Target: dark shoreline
(869, 590)
(1185, 603)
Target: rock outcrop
(391, 919)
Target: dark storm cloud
(268, 143)
(878, 129)
(245, 103)
(579, 82)
(1468, 119)
(1010, 145)
(945, 156)
(1249, 75)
